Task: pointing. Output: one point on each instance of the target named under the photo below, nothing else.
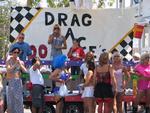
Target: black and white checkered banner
(20, 18)
(125, 47)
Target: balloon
(134, 77)
(64, 76)
(55, 90)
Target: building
(143, 18)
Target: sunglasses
(22, 37)
(16, 52)
(116, 56)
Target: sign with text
(96, 29)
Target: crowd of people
(103, 82)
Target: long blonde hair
(116, 54)
(104, 58)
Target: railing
(69, 63)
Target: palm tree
(4, 26)
(51, 3)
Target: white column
(131, 3)
(78, 3)
(72, 4)
(117, 4)
(88, 4)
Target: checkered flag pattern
(20, 17)
(125, 47)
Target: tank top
(119, 77)
(103, 77)
(17, 69)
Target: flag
(125, 46)
(138, 31)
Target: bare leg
(34, 110)
(90, 105)
(59, 106)
(137, 100)
(108, 106)
(147, 97)
(115, 106)
(40, 110)
(85, 105)
(100, 106)
(94, 105)
(147, 100)
(1, 106)
(119, 103)
(138, 97)
(119, 107)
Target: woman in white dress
(121, 74)
(88, 93)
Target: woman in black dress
(105, 83)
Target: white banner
(97, 29)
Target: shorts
(37, 96)
(88, 92)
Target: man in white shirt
(37, 92)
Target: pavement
(27, 111)
(140, 111)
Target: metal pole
(117, 6)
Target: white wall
(146, 8)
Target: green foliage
(3, 47)
(102, 3)
(51, 3)
(4, 27)
(29, 3)
(65, 3)
(111, 2)
(61, 3)
(35, 3)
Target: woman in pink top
(143, 71)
